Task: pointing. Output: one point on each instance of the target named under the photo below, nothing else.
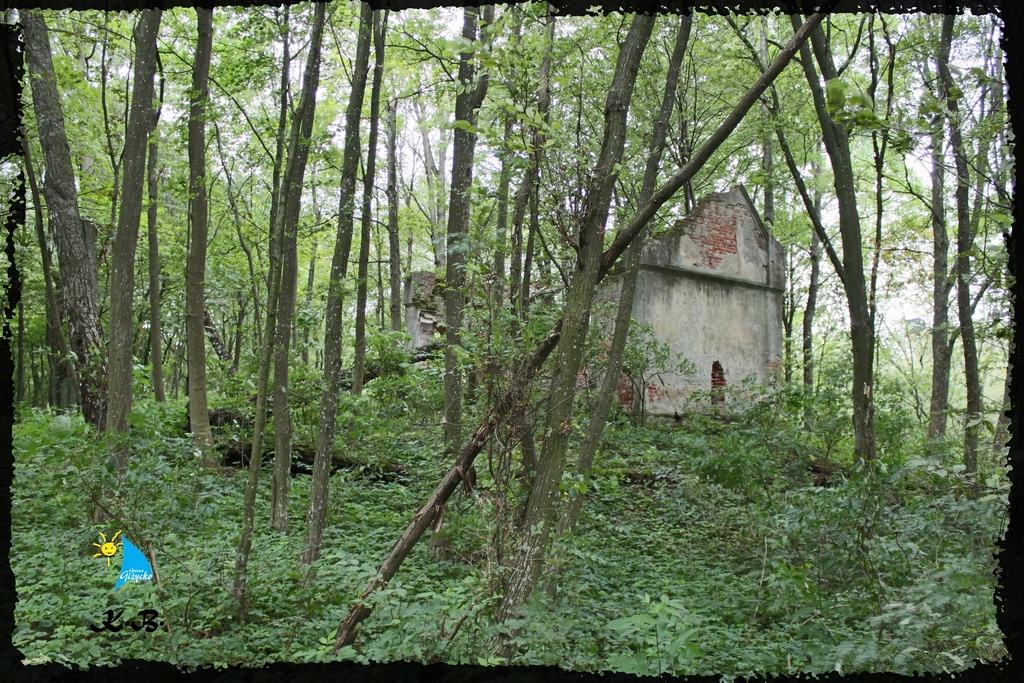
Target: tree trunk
(62, 364)
(122, 276)
(964, 245)
(359, 366)
(630, 266)
(435, 209)
(198, 209)
(74, 239)
(540, 509)
(310, 279)
(807, 336)
(394, 246)
(155, 340)
(470, 96)
(295, 170)
(496, 298)
(836, 141)
(941, 356)
(266, 346)
(316, 517)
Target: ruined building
(711, 288)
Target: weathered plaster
(712, 290)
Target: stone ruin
(423, 308)
(711, 287)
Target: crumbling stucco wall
(712, 290)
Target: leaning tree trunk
(316, 517)
(74, 239)
(516, 394)
(198, 209)
(122, 275)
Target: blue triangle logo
(134, 566)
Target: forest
(354, 335)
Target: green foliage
(660, 637)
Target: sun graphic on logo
(108, 548)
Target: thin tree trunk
(471, 95)
(359, 367)
(276, 196)
(316, 517)
(155, 340)
(266, 346)
(74, 239)
(310, 279)
(298, 155)
(394, 246)
(122, 276)
(496, 300)
(862, 336)
(807, 336)
(435, 210)
(57, 343)
(253, 286)
(198, 209)
(964, 245)
(941, 356)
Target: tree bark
(74, 238)
(394, 246)
(807, 331)
(62, 363)
(469, 98)
(298, 155)
(359, 366)
(836, 141)
(316, 517)
(155, 339)
(122, 276)
(198, 209)
(964, 245)
(941, 356)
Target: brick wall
(716, 233)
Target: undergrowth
(701, 549)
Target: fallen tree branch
(422, 519)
